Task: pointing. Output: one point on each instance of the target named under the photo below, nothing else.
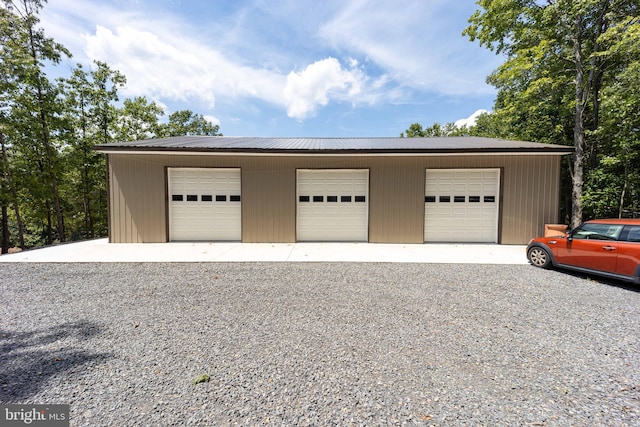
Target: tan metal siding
(396, 207)
(268, 200)
(529, 193)
(531, 197)
(138, 195)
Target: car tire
(539, 257)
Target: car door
(629, 250)
(592, 246)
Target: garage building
(379, 190)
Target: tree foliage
(570, 76)
(559, 61)
(139, 119)
(34, 108)
(91, 119)
(449, 129)
(52, 182)
(185, 122)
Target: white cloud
(317, 84)
(161, 55)
(177, 68)
(471, 120)
(245, 53)
(212, 119)
(418, 43)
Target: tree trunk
(5, 228)
(16, 211)
(577, 176)
(86, 193)
(624, 185)
(594, 82)
(49, 160)
(86, 197)
(49, 224)
(4, 245)
(14, 193)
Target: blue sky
(287, 67)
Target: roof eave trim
(401, 152)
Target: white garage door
(333, 205)
(461, 205)
(204, 204)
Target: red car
(607, 247)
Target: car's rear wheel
(539, 257)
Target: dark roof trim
(333, 146)
(161, 150)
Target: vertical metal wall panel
(268, 186)
(396, 209)
(532, 185)
(530, 193)
(138, 195)
(113, 196)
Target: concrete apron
(100, 250)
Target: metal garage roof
(264, 145)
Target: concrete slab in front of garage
(101, 251)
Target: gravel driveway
(320, 344)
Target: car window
(597, 231)
(631, 233)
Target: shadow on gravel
(29, 359)
(603, 280)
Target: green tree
(435, 130)
(4, 197)
(138, 119)
(7, 89)
(52, 182)
(33, 118)
(185, 123)
(91, 120)
(555, 70)
(613, 187)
